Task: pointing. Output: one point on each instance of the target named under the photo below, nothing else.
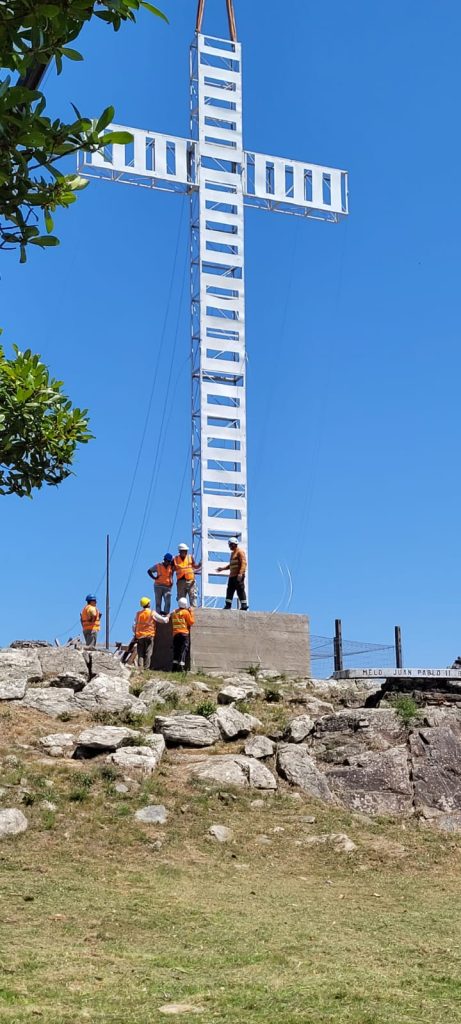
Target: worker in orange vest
(162, 575)
(90, 619)
(182, 619)
(144, 629)
(185, 568)
(237, 569)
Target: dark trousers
(181, 642)
(145, 649)
(234, 587)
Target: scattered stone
(51, 701)
(295, 764)
(232, 724)
(309, 819)
(173, 1008)
(315, 707)
(187, 730)
(263, 840)
(339, 840)
(221, 833)
(198, 685)
(299, 728)
(277, 830)
(155, 814)
(156, 691)
(106, 664)
(24, 645)
(234, 770)
(376, 784)
(56, 662)
(121, 788)
(109, 693)
(143, 759)
(227, 798)
(106, 737)
(12, 822)
(17, 670)
(59, 744)
(256, 805)
(259, 747)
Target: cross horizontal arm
(173, 164)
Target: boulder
(243, 691)
(109, 693)
(338, 840)
(12, 822)
(259, 747)
(221, 833)
(376, 784)
(436, 759)
(24, 645)
(154, 814)
(52, 701)
(58, 744)
(232, 723)
(106, 664)
(343, 736)
(315, 707)
(62, 661)
(234, 770)
(157, 690)
(143, 759)
(295, 764)
(187, 730)
(17, 670)
(299, 729)
(106, 737)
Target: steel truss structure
(220, 178)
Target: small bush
(172, 700)
(48, 820)
(406, 707)
(78, 795)
(64, 716)
(137, 687)
(253, 670)
(86, 780)
(272, 695)
(206, 709)
(108, 772)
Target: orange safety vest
(164, 575)
(183, 567)
(90, 622)
(182, 619)
(145, 624)
(238, 562)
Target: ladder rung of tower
(220, 178)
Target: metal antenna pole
(107, 592)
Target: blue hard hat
(91, 597)
(168, 557)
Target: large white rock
(108, 693)
(259, 747)
(154, 814)
(144, 759)
(17, 669)
(58, 744)
(187, 730)
(157, 690)
(299, 728)
(51, 701)
(61, 661)
(232, 723)
(233, 692)
(12, 822)
(106, 664)
(234, 770)
(106, 737)
(296, 765)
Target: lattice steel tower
(220, 177)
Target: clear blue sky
(353, 330)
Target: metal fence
(355, 653)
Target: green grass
(99, 925)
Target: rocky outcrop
(376, 784)
(259, 747)
(107, 737)
(338, 738)
(232, 724)
(436, 764)
(295, 764)
(17, 670)
(143, 759)
(58, 744)
(108, 693)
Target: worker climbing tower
(220, 177)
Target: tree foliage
(32, 34)
(39, 428)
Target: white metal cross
(221, 178)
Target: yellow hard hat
(145, 601)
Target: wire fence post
(398, 647)
(338, 646)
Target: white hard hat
(182, 602)
(232, 540)
(183, 547)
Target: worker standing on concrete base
(237, 569)
(144, 629)
(185, 569)
(162, 575)
(90, 618)
(182, 619)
